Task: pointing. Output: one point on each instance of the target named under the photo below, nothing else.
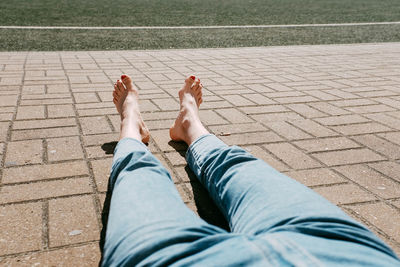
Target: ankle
(131, 129)
(130, 114)
(192, 129)
(130, 122)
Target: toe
(118, 93)
(196, 85)
(190, 80)
(120, 87)
(127, 81)
(198, 97)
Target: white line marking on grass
(197, 27)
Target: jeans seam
(266, 255)
(287, 243)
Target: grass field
(191, 13)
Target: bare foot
(126, 99)
(187, 126)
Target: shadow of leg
(180, 147)
(104, 220)
(206, 208)
(109, 147)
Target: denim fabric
(274, 220)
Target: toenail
(123, 76)
(192, 77)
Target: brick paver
(328, 116)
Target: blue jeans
(274, 220)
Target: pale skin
(187, 126)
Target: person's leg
(148, 223)
(259, 201)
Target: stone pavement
(328, 116)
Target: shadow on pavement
(109, 147)
(206, 208)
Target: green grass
(165, 39)
(192, 12)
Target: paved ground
(328, 116)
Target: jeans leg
(256, 199)
(146, 214)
